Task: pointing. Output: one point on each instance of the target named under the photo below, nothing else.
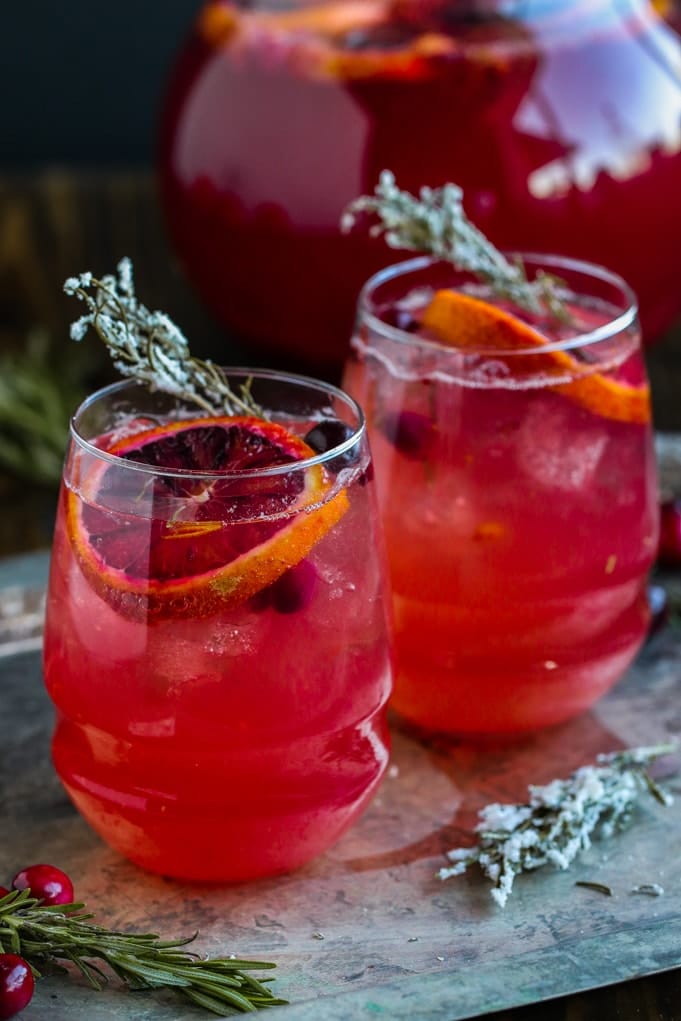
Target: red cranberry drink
(517, 485)
(215, 641)
(556, 117)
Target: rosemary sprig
(149, 346)
(48, 936)
(435, 223)
(559, 819)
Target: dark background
(80, 82)
(81, 85)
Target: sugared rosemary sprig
(63, 934)
(559, 819)
(435, 223)
(149, 346)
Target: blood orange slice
(465, 322)
(185, 544)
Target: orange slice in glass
(164, 546)
(468, 323)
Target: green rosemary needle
(559, 819)
(150, 348)
(63, 934)
(434, 222)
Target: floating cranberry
(410, 432)
(295, 589)
(49, 884)
(330, 433)
(669, 548)
(290, 593)
(16, 985)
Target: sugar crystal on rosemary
(559, 820)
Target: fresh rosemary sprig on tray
(149, 346)
(63, 934)
(559, 819)
(434, 222)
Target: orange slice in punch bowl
(219, 21)
(467, 323)
(318, 35)
(188, 560)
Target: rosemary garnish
(435, 223)
(559, 819)
(149, 346)
(63, 934)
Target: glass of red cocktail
(517, 485)
(215, 641)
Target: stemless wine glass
(518, 493)
(216, 644)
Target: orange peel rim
(466, 322)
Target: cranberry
(330, 433)
(16, 985)
(3, 891)
(49, 884)
(669, 548)
(659, 609)
(294, 590)
(410, 432)
(290, 593)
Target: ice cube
(557, 450)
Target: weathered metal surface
(397, 942)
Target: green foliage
(37, 397)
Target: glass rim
(612, 328)
(321, 386)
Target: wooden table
(54, 224)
